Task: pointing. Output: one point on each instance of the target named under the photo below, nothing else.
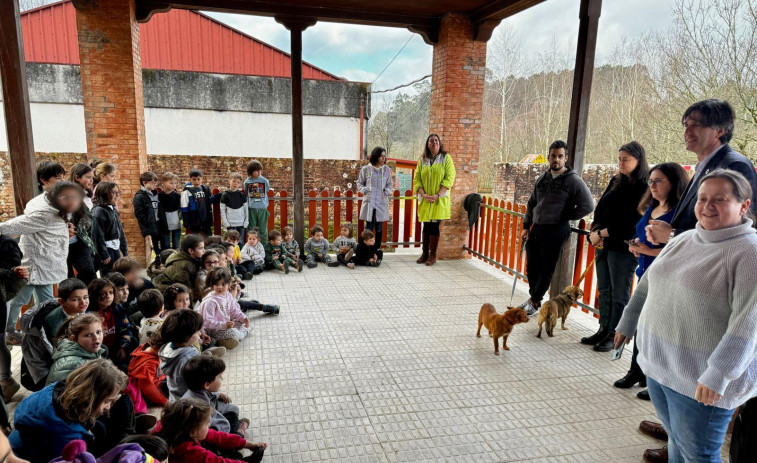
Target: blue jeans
(695, 431)
(171, 239)
(615, 272)
(41, 293)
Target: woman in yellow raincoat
(432, 182)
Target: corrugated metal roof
(180, 40)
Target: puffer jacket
(144, 369)
(180, 268)
(44, 241)
(68, 356)
(41, 430)
(36, 347)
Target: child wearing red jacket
(185, 426)
(144, 368)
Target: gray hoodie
(314, 247)
(171, 363)
(558, 200)
(217, 420)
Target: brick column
(457, 91)
(111, 83)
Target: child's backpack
(10, 257)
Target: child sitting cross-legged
(40, 326)
(367, 253)
(223, 318)
(204, 376)
(81, 341)
(185, 426)
(144, 371)
(176, 297)
(253, 254)
(150, 306)
(180, 332)
(344, 246)
(316, 248)
(276, 256)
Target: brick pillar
(457, 90)
(111, 83)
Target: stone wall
(320, 174)
(515, 182)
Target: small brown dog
(500, 325)
(558, 307)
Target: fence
(496, 239)
(331, 210)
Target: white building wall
(59, 128)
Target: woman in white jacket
(45, 231)
(376, 184)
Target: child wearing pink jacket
(224, 320)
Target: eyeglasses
(655, 182)
(211, 262)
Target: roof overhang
(420, 16)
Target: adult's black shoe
(630, 380)
(596, 337)
(644, 395)
(607, 344)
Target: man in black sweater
(560, 195)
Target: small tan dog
(558, 307)
(500, 325)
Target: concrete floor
(382, 365)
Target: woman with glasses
(667, 183)
(45, 229)
(615, 219)
(107, 230)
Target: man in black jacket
(560, 195)
(149, 213)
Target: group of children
(106, 348)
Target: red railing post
(348, 205)
(216, 208)
(395, 216)
(337, 213)
(522, 267)
(325, 214)
(311, 213)
(496, 230)
(506, 251)
(488, 232)
(408, 217)
(284, 208)
(271, 210)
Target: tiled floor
(382, 365)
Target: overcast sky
(361, 52)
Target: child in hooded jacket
(145, 373)
(83, 342)
(223, 318)
(180, 332)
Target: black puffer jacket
(106, 227)
(144, 211)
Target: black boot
(607, 344)
(630, 379)
(643, 395)
(596, 337)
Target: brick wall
(515, 182)
(111, 85)
(320, 174)
(457, 91)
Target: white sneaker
(531, 308)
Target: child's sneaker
(350, 265)
(144, 423)
(300, 265)
(312, 264)
(247, 276)
(349, 254)
(286, 268)
(9, 389)
(333, 264)
(217, 351)
(228, 343)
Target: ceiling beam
(501, 9)
(146, 8)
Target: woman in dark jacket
(107, 230)
(615, 219)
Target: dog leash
(515, 277)
(588, 267)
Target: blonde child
(223, 318)
(317, 248)
(185, 426)
(253, 254)
(344, 246)
(233, 237)
(81, 341)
